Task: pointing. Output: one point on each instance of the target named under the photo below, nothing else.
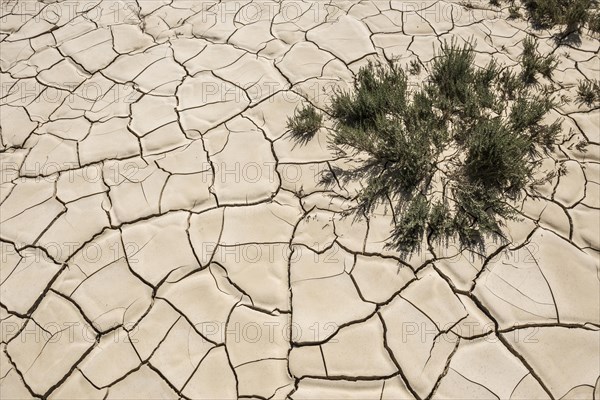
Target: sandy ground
(163, 237)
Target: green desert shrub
(571, 15)
(449, 156)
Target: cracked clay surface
(163, 237)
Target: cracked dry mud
(163, 237)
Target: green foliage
(594, 23)
(449, 155)
(378, 89)
(588, 92)
(514, 12)
(572, 15)
(413, 221)
(533, 63)
(305, 123)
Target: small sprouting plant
(588, 92)
(305, 122)
(450, 156)
(414, 68)
(581, 145)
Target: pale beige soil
(164, 237)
